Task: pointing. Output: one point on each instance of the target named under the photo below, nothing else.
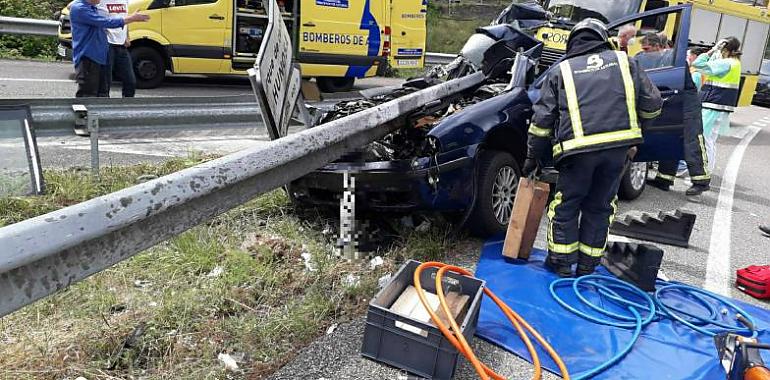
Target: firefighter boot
(697, 189)
(560, 263)
(587, 264)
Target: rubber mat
(665, 350)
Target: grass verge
(240, 285)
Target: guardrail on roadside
(28, 26)
(42, 255)
(55, 116)
(435, 59)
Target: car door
(408, 33)
(196, 31)
(669, 71)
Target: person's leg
(564, 211)
(87, 76)
(695, 154)
(599, 207)
(666, 175)
(105, 82)
(710, 135)
(124, 69)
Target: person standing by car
(89, 43)
(694, 145)
(625, 35)
(588, 116)
(118, 58)
(720, 92)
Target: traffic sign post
(274, 78)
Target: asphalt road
(33, 79)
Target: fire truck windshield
(607, 11)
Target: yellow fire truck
(711, 20)
(335, 41)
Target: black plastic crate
(432, 356)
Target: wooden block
(513, 238)
(310, 90)
(536, 210)
(408, 305)
(458, 305)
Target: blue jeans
(119, 62)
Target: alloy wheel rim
(503, 192)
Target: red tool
(754, 281)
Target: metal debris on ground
(307, 258)
(216, 272)
(228, 361)
(376, 262)
(351, 280)
(384, 280)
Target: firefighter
(587, 117)
(694, 146)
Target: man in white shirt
(119, 60)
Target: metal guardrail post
(42, 255)
(93, 130)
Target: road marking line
(36, 80)
(718, 273)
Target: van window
(182, 3)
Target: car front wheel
(497, 178)
(633, 181)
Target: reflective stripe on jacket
(592, 102)
(722, 92)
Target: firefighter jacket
(592, 102)
(722, 87)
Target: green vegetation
(28, 46)
(447, 35)
(236, 285)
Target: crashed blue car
(463, 157)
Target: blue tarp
(666, 349)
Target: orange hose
(458, 340)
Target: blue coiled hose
(645, 311)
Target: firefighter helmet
(593, 25)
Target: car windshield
(607, 11)
(765, 70)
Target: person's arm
(649, 103)
(716, 67)
(545, 118)
(90, 16)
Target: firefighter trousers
(584, 204)
(695, 144)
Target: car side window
(650, 40)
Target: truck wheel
(332, 84)
(633, 181)
(149, 67)
(497, 177)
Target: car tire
(332, 84)
(149, 67)
(497, 177)
(633, 182)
